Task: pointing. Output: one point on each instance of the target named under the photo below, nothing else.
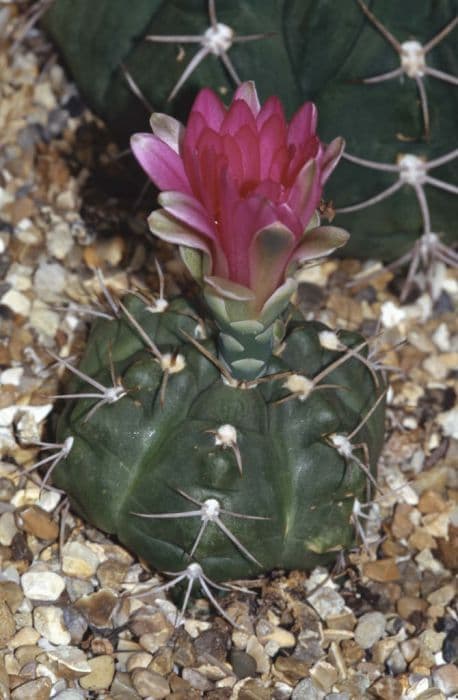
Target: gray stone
(370, 629)
(305, 690)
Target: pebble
(8, 528)
(305, 690)
(266, 632)
(69, 695)
(42, 585)
(382, 570)
(7, 624)
(17, 302)
(326, 602)
(37, 522)
(72, 659)
(255, 649)
(78, 560)
(101, 674)
(98, 607)
(243, 664)
(446, 679)
(442, 596)
(370, 629)
(149, 684)
(39, 689)
(448, 420)
(49, 622)
(12, 593)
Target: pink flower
(242, 186)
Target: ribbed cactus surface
(253, 471)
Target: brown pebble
(387, 689)
(291, 669)
(382, 570)
(12, 594)
(7, 624)
(37, 522)
(39, 689)
(112, 573)
(431, 502)
(149, 684)
(97, 607)
(448, 549)
(402, 525)
(408, 604)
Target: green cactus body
(380, 122)
(157, 447)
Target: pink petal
(270, 107)
(168, 130)
(247, 93)
(234, 157)
(303, 124)
(290, 219)
(306, 193)
(208, 104)
(189, 211)
(162, 165)
(239, 115)
(273, 147)
(248, 145)
(331, 157)
(250, 215)
(195, 127)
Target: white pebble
(17, 302)
(42, 585)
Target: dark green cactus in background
(320, 51)
(178, 437)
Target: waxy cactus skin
(147, 451)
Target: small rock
(37, 522)
(387, 689)
(149, 684)
(266, 632)
(78, 560)
(71, 659)
(49, 622)
(450, 648)
(305, 690)
(7, 624)
(291, 669)
(196, 680)
(256, 650)
(111, 573)
(243, 664)
(68, 695)
(12, 594)
(446, 679)
(33, 690)
(382, 570)
(97, 607)
(442, 596)
(370, 629)
(324, 675)
(42, 585)
(326, 602)
(8, 529)
(101, 675)
(17, 302)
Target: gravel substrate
(382, 624)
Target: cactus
(394, 102)
(222, 436)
